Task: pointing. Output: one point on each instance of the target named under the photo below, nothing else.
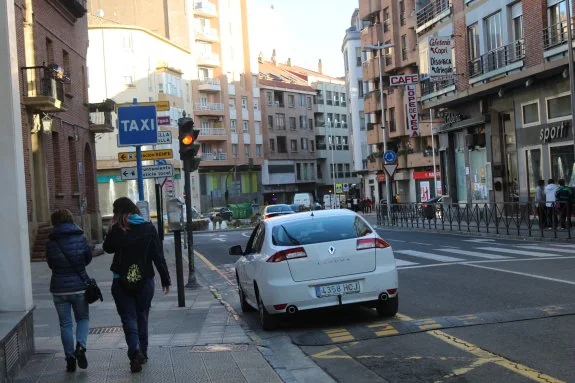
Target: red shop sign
(425, 175)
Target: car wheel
(244, 304)
(267, 320)
(388, 308)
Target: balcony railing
(556, 34)
(210, 106)
(207, 34)
(431, 11)
(212, 132)
(209, 81)
(205, 7)
(428, 87)
(208, 58)
(43, 87)
(214, 156)
(497, 58)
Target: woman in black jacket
(68, 253)
(136, 249)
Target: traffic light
(187, 136)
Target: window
(473, 42)
(493, 32)
(310, 123)
(530, 113)
(302, 122)
(534, 169)
(272, 145)
(557, 14)
(562, 160)
(66, 65)
(258, 150)
(312, 145)
(245, 126)
(362, 120)
(402, 13)
(244, 103)
(271, 122)
(247, 150)
(205, 124)
(358, 56)
(291, 100)
(344, 121)
(281, 121)
(232, 103)
(304, 145)
(517, 21)
(308, 99)
(292, 124)
(256, 104)
(329, 119)
(345, 61)
(49, 51)
(558, 107)
(305, 175)
(301, 100)
(345, 142)
(386, 20)
(282, 144)
(298, 171)
(328, 97)
(233, 125)
(293, 145)
(257, 127)
(336, 98)
(336, 120)
(270, 98)
(360, 88)
(235, 150)
(404, 47)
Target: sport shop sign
(412, 112)
(440, 56)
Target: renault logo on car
(331, 250)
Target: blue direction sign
(137, 125)
(390, 156)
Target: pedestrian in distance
(550, 200)
(540, 203)
(68, 254)
(137, 248)
(563, 197)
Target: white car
(312, 260)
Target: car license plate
(337, 289)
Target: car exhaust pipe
(383, 297)
(291, 309)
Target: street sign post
(151, 171)
(390, 157)
(390, 169)
(147, 155)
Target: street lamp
(380, 48)
(571, 75)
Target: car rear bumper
(302, 295)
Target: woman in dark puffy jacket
(67, 254)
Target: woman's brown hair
(123, 209)
(61, 216)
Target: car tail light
(371, 243)
(392, 291)
(288, 254)
(280, 307)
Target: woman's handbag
(93, 292)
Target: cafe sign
(553, 132)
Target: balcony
(370, 35)
(431, 90)
(213, 134)
(432, 13)
(208, 59)
(416, 160)
(76, 7)
(101, 120)
(371, 101)
(205, 8)
(370, 68)
(321, 153)
(498, 61)
(207, 34)
(214, 156)
(43, 88)
(555, 38)
(375, 135)
(210, 108)
(257, 115)
(368, 7)
(209, 85)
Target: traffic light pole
(192, 282)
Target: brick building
(58, 141)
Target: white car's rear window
(318, 230)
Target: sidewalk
(201, 342)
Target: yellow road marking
(385, 330)
(209, 264)
(427, 324)
(339, 335)
(328, 354)
(335, 330)
(493, 358)
(345, 338)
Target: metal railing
(214, 156)
(506, 218)
(428, 87)
(213, 131)
(432, 10)
(210, 106)
(205, 6)
(43, 81)
(209, 81)
(556, 34)
(497, 58)
(101, 118)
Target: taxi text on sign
(137, 125)
(147, 155)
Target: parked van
(305, 199)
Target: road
(472, 309)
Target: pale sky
(303, 30)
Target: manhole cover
(220, 348)
(105, 330)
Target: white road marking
(474, 254)
(519, 252)
(219, 239)
(479, 240)
(563, 245)
(451, 247)
(421, 243)
(247, 235)
(557, 249)
(524, 274)
(486, 261)
(434, 257)
(402, 263)
(394, 240)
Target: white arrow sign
(219, 239)
(390, 169)
(152, 171)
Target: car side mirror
(236, 250)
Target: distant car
(223, 212)
(432, 208)
(275, 210)
(313, 260)
(296, 208)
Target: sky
(303, 30)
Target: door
(252, 256)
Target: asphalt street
(472, 309)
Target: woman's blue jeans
(64, 306)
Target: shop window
(562, 163)
(534, 170)
(558, 107)
(460, 177)
(530, 113)
(444, 172)
(478, 161)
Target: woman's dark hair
(61, 216)
(123, 209)
(541, 183)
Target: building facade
(224, 90)
(290, 159)
(392, 23)
(507, 113)
(59, 146)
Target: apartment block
(506, 116)
(393, 24)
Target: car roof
(278, 205)
(280, 220)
